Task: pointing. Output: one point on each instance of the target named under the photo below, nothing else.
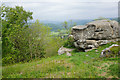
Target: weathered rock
(64, 50)
(105, 29)
(61, 51)
(83, 32)
(95, 33)
(107, 52)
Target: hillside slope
(79, 65)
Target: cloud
(60, 1)
(65, 10)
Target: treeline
(23, 42)
(61, 26)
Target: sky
(61, 10)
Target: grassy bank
(79, 65)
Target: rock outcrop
(95, 33)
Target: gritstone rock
(95, 33)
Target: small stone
(63, 50)
(87, 55)
(68, 54)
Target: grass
(0, 58)
(79, 65)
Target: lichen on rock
(95, 33)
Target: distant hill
(58, 25)
(55, 25)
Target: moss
(115, 50)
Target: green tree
(40, 35)
(65, 25)
(72, 24)
(14, 20)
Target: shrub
(14, 21)
(53, 45)
(69, 43)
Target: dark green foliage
(23, 42)
(65, 25)
(29, 43)
(20, 42)
(14, 21)
(69, 43)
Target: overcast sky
(60, 10)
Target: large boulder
(95, 33)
